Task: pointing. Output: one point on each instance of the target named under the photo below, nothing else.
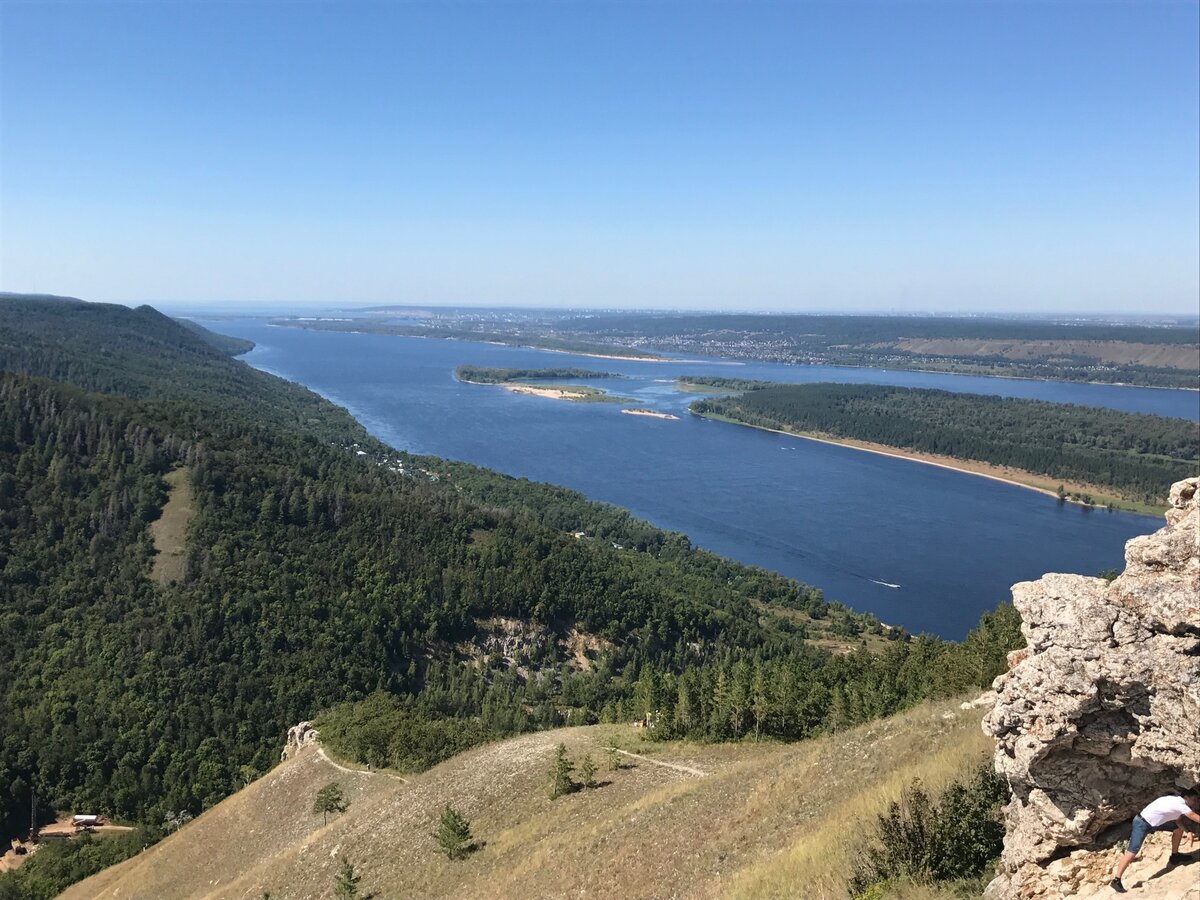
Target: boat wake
(886, 584)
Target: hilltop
(682, 820)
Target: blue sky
(752, 155)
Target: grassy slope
(169, 530)
(766, 820)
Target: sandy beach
(1020, 478)
(551, 393)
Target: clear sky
(749, 155)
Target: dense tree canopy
(489, 375)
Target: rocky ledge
(298, 737)
(1100, 713)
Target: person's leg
(1137, 834)
(1176, 837)
(1124, 863)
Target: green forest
(325, 568)
(1137, 456)
(716, 383)
(485, 375)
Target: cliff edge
(1100, 713)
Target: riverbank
(1017, 477)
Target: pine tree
(346, 885)
(614, 758)
(560, 773)
(453, 834)
(329, 799)
(760, 701)
(587, 769)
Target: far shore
(653, 359)
(1017, 477)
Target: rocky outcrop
(1100, 713)
(298, 737)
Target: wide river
(919, 546)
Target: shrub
(958, 837)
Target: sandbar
(648, 412)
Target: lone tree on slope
(560, 773)
(454, 834)
(614, 758)
(345, 887)
(329, 799)
(587, 769)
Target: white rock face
(298, 737)
(1100, 713)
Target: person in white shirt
(1164, 814)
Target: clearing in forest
(170, 529)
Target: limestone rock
(298, 737)
(1100, 713)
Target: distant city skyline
(774, 157)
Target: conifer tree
(614, 758)
(346, 885)
(587, 769)
(560, 773)
(453, 834)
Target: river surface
(919, 546)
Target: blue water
(849, 522)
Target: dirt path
(325, 756)
(687, 770)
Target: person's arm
(1195, 817)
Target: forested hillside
(1138, 456)
(323, 567)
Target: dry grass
(852, 778)
(169, 530)
(767, 820)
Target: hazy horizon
(252, 308)
(885, 158)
